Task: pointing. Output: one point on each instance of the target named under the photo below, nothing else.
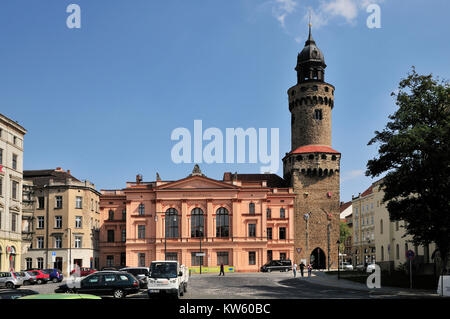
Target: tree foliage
(414, 152)
(344, 232)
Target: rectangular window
(58, 202)
(1, 156)
(41, 203)
(282, 256)
(78, 221)
(141, 258)
(318, 114)
(1, 186)
(14, 161)
(15, 189)
(269, 233)
(124, 235)
(141, 231)
(40, 242)
(282, 213)
(172, 256)
(92, 204)
(13, 223)
(29, 263)
(58, 221)
(251, 208)
(40, 222)
(109, 260)
(251, 230)
(78, 241)
(58, 242)
(269, 213)
(123, 259)
(110, 235)
(282, 232)
(124, 214)
(141, 210)
(222, 258)
(79, 202)
(196, 260)
(269, 255)
(40, 263)
(252, 258)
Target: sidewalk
(321, 278)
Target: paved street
(273, 285)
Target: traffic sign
(299, 250)
(410, 254)
(200, 254)
(53, 253)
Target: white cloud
(282, 8)
(353, 174)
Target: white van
(167, 278)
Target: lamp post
(306, 217)
(69, 264)
(338, 243)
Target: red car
(41, 277)
(84, 271)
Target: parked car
(84, 271)
(370, 267)
(61, 296)
(55, 274)
(16, 293)
(167, 277)
(41, 277)
(115, 283)
(27, 278)
(110, 268)
(346, 266)
(141, 273)
(277, 265)
(360, 267)
(10, 280)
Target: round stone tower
(312, 167)
(311, 99)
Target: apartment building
(65, 221)
(11, 179)
(364, 249)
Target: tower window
(326, 89)
(317, 114)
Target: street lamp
(338, 243)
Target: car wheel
(55, 280)
(39, 281)
(185, 288)
(10, 285)
(119, 294)
(269, 270)
(26, 283)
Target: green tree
(414, 152)
(344, 232)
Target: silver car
(10, 280)
(27, 278)
(141, 274)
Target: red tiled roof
(314, 149)
(367, 191)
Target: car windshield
(33, 273)
(137, 271)
(47, 271)
(163, 270)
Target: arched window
(222, 222)
(397, 251)
(141, 209)
(251, 208)
(171, 223)
(111, 215)
(197, 222)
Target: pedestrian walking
(309, 270)
(302, 268)
(222, 272)
(294, 269)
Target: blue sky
(103, 100)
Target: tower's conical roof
(310, 53)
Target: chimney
(68, 171)
(59, 169)
(227, 176)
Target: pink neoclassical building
(241, 221)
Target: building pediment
(197, 182)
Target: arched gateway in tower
(312, 167)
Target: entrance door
(318, 260)
(58, 264)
